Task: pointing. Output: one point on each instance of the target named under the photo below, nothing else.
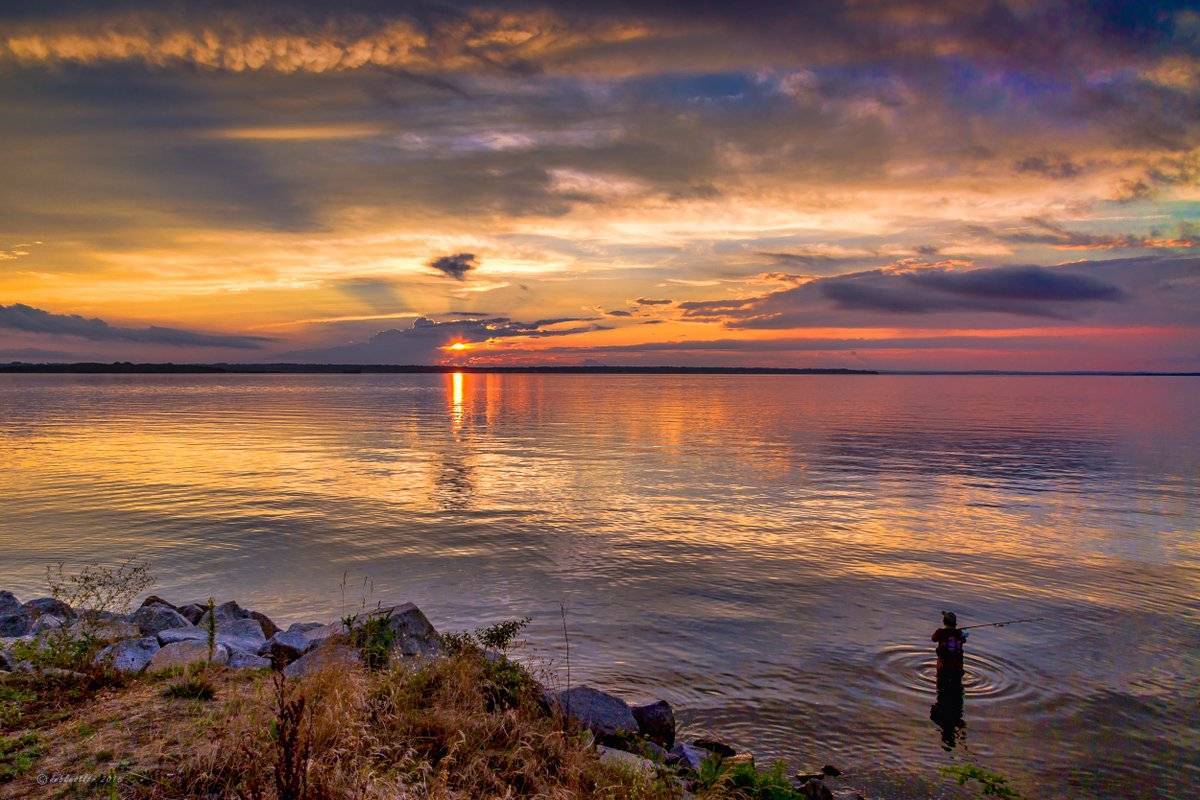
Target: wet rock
(656, 721)
(185, 654)
(128, 655)
(628, 761)
(713, 746)
(687, 756)
(49, 605)
(238, 660)
(153, 619)
(15, 619)
(187, 633)
(328, 657)
(815, 790)
(193, 612)
(603, 714)
(155, 600)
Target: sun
(459, 346)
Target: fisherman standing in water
(950, 639)
(947, 711)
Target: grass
(18, 754)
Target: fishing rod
(1001, 624)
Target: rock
(155, 600)
(238, 660)
(603, 714)
(6, 661)
(322, 658)
(815, 790)
(831, 771)
(629, 761)
(15, 619)
(187, 633)
(184, 654)
(656, 721)
(226, 612)
(153, 619)
(415, 636)
(243, 634)
(47, 622)
(106, 630)
(286, 646)
(687, 756)
(192, 611)
(49, 605)
(269, 628)
(306, 626)
(65, 674)
(129, 655)
(713, 746)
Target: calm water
(768, 553)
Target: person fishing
(951, 639)
(947, 712)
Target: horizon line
(267, 368)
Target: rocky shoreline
(161, 637)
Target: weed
(194, 686)
(292, 742)
(18, 755)
(991, 784)
(374, 637)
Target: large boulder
(105, 629)
(287, 646)
(244, 634)
(193, 611)
(331, 656)
(155, 618)
(184, 654)
(186, 633)
(155, 600)
(415, 636)
(49, 605)
(656, 721)
(15, 619)
(606, 716)
(226, 612)
(128, 656)
(269, 628)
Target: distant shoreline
(129, 368)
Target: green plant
(991, 784)
(193, 686)
(211, 629)
(13, 700)
(743, 780)
(18, 754)
(499, 636)
(374, 637)
(291, 730)
(96, 589)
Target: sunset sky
(925, 185)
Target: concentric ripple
(987, 677)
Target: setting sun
(458, 346)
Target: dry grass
(455, 728)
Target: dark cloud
(425, 341)
(620, 313)
(1057, 166)
(650, 301)
(20, 317)
(456, 266)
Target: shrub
(372, 634)
(193, 686)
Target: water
(770, 554)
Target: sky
(864, 184)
